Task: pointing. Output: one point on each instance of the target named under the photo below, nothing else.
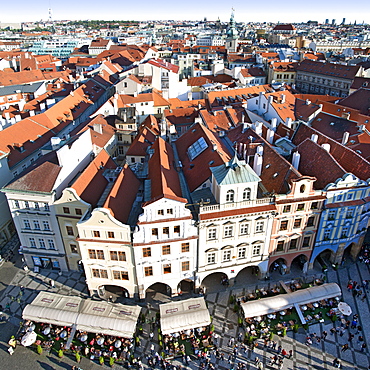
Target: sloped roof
(359, 99)
(123, 194)
(234, 172)
(40, 179)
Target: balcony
(236, 205)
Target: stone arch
(248, 275)
(299, 263)
(279, 265)
(213, 281)
(158, 291)
(113, 293)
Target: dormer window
(247, 194)
(230, 196)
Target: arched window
(247, 194)
(230, 196)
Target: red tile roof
(197, 171)
(123, 194)
(359, 100)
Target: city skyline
(163, 10)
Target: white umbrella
(344, 308)
(46, 331)
(100, 341)
(117, 343)
(83, 338)
(29, 338)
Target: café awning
(53, 309)
(108, 318)
(89, 315)
(281, 302)
(183, 315)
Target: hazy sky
(267, 10)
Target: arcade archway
(214, 281)
(279, 266)
(248, 275)
(299, 264)
(158, 292)
(185, 286)
(113, 293)
(324, 260)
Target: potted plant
(283, 333)
(111, 361)
(240, 321)
(295, 328)
(236, 307)
(60, 353)
(101, 360)
(231, 299)
(39, 350)
(78, 357)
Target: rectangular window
(228, 231)
(344, 232)
(117, 256)
(166, 230)
(36, 225)
(300, 207)
(169, 211)
(100, 254)
(69, 230)
(283, 225)
(332, 214)
(306, 242)
(148, 271)
(26, 224)
(327, 234)
(314, 205)
(311, 221)
(51, 244)
(167, 268)
(185, 247)
(96, 234)
(92, 254)
(46, 207)
(176, 229)
(95, 273)
(120, 275)
(110, 234)
(242, 252)
(26, 205)
(256, 250)
(287, 209)
(32, 242)
(297, 223)
(280, 246)
(46, 225)
(16, 204)
(66, 210)
(293, 244)
(161, 212)
(104, 274)
(78, 211)
(42, 243)
(211, 258)
(212, 233)
(185, 266)
(36, 206)
(244, 229)
(155, 232)
(226, 256)
(350, 213)
(73, 248)
(259, 226)
(166, 249)
(147, 252)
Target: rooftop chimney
(295, 160)
(345, 138)
(326, 146)
(314, 138)
(257, 164)
(288, 122)
(308, 102)
(282, 96)
(270, 136)
(98, 128)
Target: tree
(60, 353)
(78, 357)
(101, 360)
(39, 350)
(111, 361)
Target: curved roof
(183, 315)
(280, 302)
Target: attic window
(198, 147)
(267, 166)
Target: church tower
(232, 36)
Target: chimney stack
(295, 160)
(314, 138)
(257, 164)
(345, 138)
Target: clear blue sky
(268, 10)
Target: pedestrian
(279, 349)
(344, 347)
(52, 283)
(324, 335)
(363, 347)
(284, 352)
(333, 330)
(354, 324)
(12, 342)
(350, 337)
(360, 339)
(257, 360)
(363, 297)
(359, 328)
(290, 353)
(10, 350)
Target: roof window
(198, 147)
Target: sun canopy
(93, 316)
(183, 315)
(107, 318)
(53, 309)
(280, 302)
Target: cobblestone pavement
(317, 356)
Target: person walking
(344, 347)
(324, 335)
(52, 283)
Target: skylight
(198, 147)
